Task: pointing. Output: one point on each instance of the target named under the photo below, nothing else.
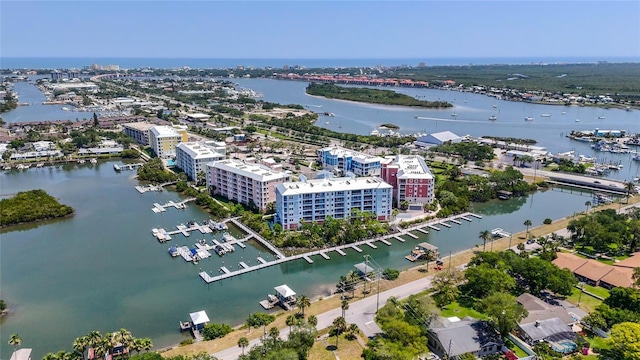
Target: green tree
(504, 311)
(259, 319)
(215, 331)
(527, 223)
(636, 277)
(485, 235)
(625, 341)
(483, 280)
(243, 342)
(80, 345)
(344, 305)
(338, 326)
(291, 320)
(303, 302)
(312, 320)
(445, 286)
(588, 205)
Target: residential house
(453, 337)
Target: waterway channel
(103, 270)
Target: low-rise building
(247, 183)
(438, 138)
(314, 200)
(192, 157)
(343, 160)
(198, 117)
(411, 179)
(138, 131)
(595, 273)
(453, 337)
(163, 141)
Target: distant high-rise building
(56, 75)
(285, 67)
(422, 64)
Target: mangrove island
(374, 96)
(31, 206)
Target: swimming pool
(171, 162)
(564, 346)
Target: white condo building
(163, 140)
(244, 182)
(314, 200)
(410, 177)
(192, 157)
(344, 160)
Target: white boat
(375, 132)
(454, 114)
(601, 117)
(628, 108)
(564, 112)
(545, 115)
(326, 122)
(495, 106)
(528, 118)
(116, 167)
(93, 161)
(577, 120)
(493, 117)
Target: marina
(122, 167)
(158, 208)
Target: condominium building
(192, 157)
(410, 177)
(344, 160)
(314, 200)
(163, 140)
(245, 182)
(139, 131)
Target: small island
(31, 206)
(374, 96)
(389, 126)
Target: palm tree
(15, 340)
(629, 188)
(312, 320)
(353, 277)
(339, 326)
(93, 339)
(274, 332)
(485, 235)
(107, 344)
(291, 320)
(588, 205)
(303, 302)
(527, 223)
(243, 342)
(80, 345)
(146, 343)
(344, 306)
(123, 336)
(353, 329)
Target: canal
(103, 270)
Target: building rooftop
(198, 151)
(464, 336)
(332, 184)
(632, 262)
(21, 354)
(593, 270)
(342, 152)
(568, 261)
(199, 317)
(619, 277)
(549, 329)
(141, 126)
(285, 291)
(253, 171)
(413, 167)
(164, 131)
(540, 310)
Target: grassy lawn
(347, 349)
(587, 302)
(455, 309)
(597, 290)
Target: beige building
(245, 182)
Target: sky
(319, 29)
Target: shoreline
(323, 304)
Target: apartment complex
(163, 140)
(192, 157)
(336, 158)
(139, 131)
(314, 200)
(245, 182)
(410, 177)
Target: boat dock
(122, 167)
(184, 229)
(262, 241)
(455, 221)
(433, 227)
(445, 224)
(144, 189)
(281, 258)
(422, 230)
(498, 232)
(465, 218)
(158, 208)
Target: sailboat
(602, 117)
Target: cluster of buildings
(596, 273)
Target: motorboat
(493, 117)
(528, 118)
(545, 115)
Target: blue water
(65, 63)
(171, 162)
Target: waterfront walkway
(281, 258)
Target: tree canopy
(31, 206)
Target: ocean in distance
(204, 63)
